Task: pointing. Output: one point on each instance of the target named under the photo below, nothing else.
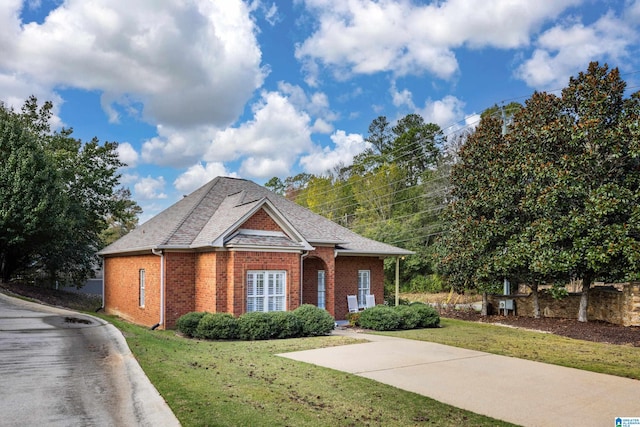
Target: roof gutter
(161, 255)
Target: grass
(610, 359)
(244, 384)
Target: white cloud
(179, 59)
(150, 188)
(178, 147)
(127, 154)
(400, 98)
(444, 112)
(269, 143)
(366, 36)
(565, 49)
(345, 147)
(278, 132)
(198, 175)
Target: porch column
(397, 281)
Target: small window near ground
(142, 285)
(321, 289)
(364, 287)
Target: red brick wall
(325, 255)
(347, 281)
(245, 261)
(121, 284)
(179, 285)
(261, 221)
(206, 298)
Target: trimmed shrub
(429, 317)
(256, 325)
(285, 324)
(188, 323)
(380, 318)
(410, 318)
(217, 326)
(314, 321)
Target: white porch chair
(352, 302)
(370, 301)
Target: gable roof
(211, 217)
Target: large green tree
(557, 197)
(57, 196)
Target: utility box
(506, 305)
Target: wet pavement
(62, 368)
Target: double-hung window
(364, 287)
(321, 290)
(266, 290)
(141, 284)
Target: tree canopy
(555, 198)
(57, 196)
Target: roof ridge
(179, 224)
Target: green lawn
(246, 384)
(620, 360)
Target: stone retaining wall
(606, 303)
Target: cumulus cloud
(366, 36)
(269, 143)
(127, 154)
(179, 147)
(444, 112)
(198, 175)
(345, 147)
(565, 49)
(178, 60)
(150, 188)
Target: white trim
(267, 299)
(252, 232)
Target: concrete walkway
(515, 390)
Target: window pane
(321, 289)
(363, 287)
(266, 290)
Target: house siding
(346, 278)
(246, 261)
(261, 221)
(206, 291)
(121, 288)
(179, 285)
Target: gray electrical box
(507, 304)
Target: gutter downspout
(161, 255)
(102, 307)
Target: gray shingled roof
(215, 211)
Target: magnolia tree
(554, 198)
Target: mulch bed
(595, 331)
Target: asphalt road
(61, 368)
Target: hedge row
(305, 321)
(386, 318)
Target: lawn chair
(352, 302)
(370, 301)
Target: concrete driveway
(519, 391)
(61, 368)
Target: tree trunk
(536, 302)
(485, 302)
(584, 300)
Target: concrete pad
(515, 390)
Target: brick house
(234, 246)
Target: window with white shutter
(266, 290)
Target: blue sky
(254, 89)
